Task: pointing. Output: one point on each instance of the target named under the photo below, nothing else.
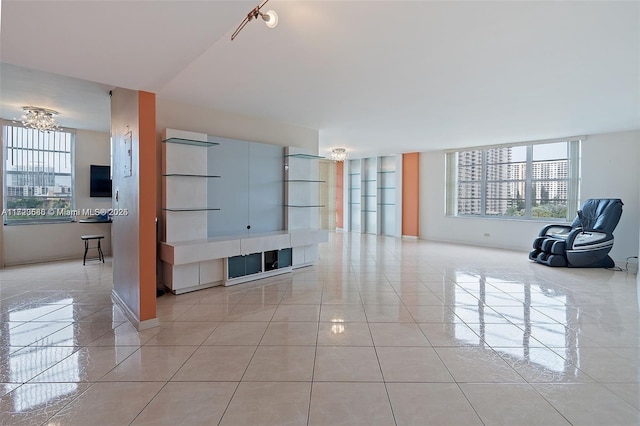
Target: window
(537, 180)
(38, 175)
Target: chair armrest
(592, 238)
(557, 231)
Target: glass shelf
(368, 180)
(306, 180)
(387, 171)
(353, 189)
(303, 207)
(354, 174)
(368, 211)
(187, 175)
(386, 204)
(190, 209)
(355, 204)
(368, 195)
(190, 142)
(305, 156)
(386, 187)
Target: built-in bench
(197, 264)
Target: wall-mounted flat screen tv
(100, 181)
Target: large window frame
(475, 175)
(38, 175)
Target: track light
(270, 18)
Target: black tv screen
(100, 181)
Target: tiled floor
(382, 331)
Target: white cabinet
(192, 265)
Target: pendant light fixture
(338, 154)
(38, 118)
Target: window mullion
(573, 184)
(528, 187)
(483, 185)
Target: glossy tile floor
(381, 331)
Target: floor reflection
(50, 343)
(513, 324)
(417, 327)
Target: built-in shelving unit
(201, 208)
(186, 179)
(386, 195)
(301, 205)
(189, 141)
(189, 175)
(369, 184)
(371, 195)
(185, 207)
(305, 156)
(191, 209)
(355, 195)
(301, 168)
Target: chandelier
(42, 119)
(338, 154)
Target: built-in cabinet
(373, 195)
(235, 211)
(250, 189)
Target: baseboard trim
(131, 316)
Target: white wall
(609, 170)
(41, 243)
(177, 115)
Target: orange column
(340, 195)
(147, 207)
(410, 194)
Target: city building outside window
(519, 181)
(37, 175)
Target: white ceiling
(376, 77)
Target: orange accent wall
(340, 194)
(147, 208)
(410, 194)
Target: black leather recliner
(586, 243)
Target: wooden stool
(86, 239)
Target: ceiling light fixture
(338, 154)
(270, 18)
(38, 118)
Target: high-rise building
(505, 181)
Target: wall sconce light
(270, 18)
(338, 154)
